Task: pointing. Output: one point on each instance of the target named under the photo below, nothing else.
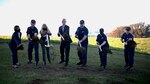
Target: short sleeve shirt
(81, 32)
(31, 31)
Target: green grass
(92, 74)
(143, 45)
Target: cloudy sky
(108, 14)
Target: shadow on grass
(58, 42)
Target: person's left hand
(80, 41)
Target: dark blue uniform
(103, 55)
(65, 45)
(128, 52)
(42, 41)
(31, 31)
(80, 33)
(13, 43)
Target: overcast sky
(108, 14)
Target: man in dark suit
(65, 42)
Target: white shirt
(19, 34)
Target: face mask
(18, 30)
(101, 31)
(44, 29)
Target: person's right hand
(30, 39)
(100, 47)
(76, 36)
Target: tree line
(139, 30)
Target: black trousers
(14, 53)
(64, 51)
(103, 58)
(45, 50)
(30, 50)
(129, 55)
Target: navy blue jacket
(31, 31)
(16, 39)
(66, 30)
(126, 37)
(101, 38)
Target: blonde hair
(44, 32)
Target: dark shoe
(49, 61)
(104, 66)
(61, 62)
(29, 62)
(79, 63)
(44, 63)
(128, 69)
(83, 65)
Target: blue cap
(81, 21)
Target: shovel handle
(79, 44)
(100, 48)
(61, 36)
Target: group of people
(81, 34)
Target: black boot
(66, 64)
(29, 62)
(44, 63)
(79, 63)
(129, 68)
(36, 63)
(61, 62)
(104, 66)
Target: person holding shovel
(15, 45)
(45, 43)
(103, 47)
(32, 35)
(82, 35)
(126, 38)
(63, 32)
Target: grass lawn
(92, 74)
